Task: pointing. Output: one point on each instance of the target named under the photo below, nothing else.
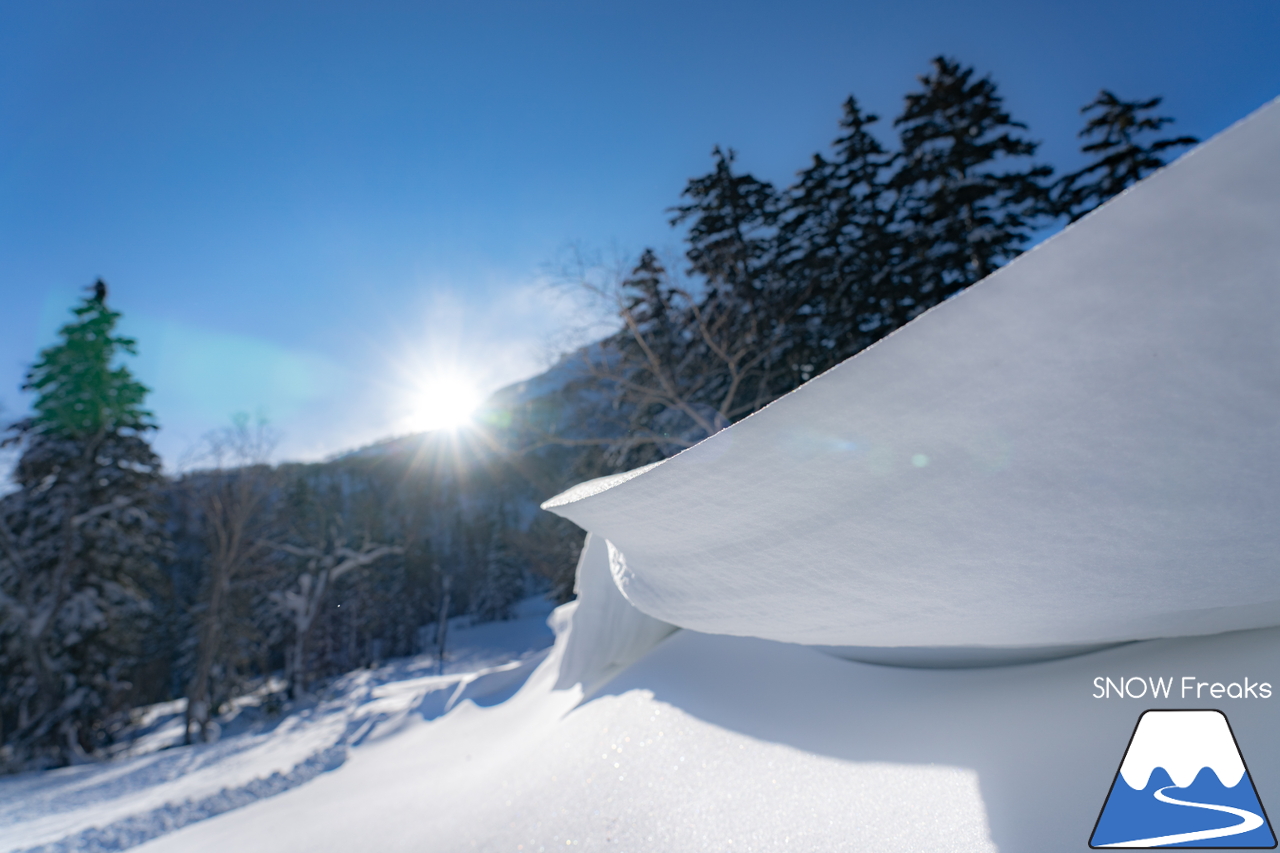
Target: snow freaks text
(1186, 687)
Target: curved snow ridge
(1183, 743)
(137, 829)
(590, 488)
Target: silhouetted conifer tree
(968, 200)
(730, 219)
(744, 308)
(834, 248)
(1121, 157)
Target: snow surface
(1080, 449)
(152, 789)
(1183, 743)
(711, 743)
(607, 632)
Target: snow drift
(732, 743)
(1080, 449)
(604, 633)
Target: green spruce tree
(968, 198)
(1122, 157)
(79, 544)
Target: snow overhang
(1082, 448)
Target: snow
(1183, 743)
(153, 788)
(607, 632)
(704, 743)
(1078, 450)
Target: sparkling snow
(705, 743)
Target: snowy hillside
(155, 785)
(560, 401)
(706, 743)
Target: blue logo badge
(1183, 783)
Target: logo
(1183, 783)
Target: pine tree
(80, 539)
(786, 285)
(833, 248)
(731, 219)
(1121, 159)
(967, 202)
(656, 366)
(743, 308)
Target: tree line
(780, 284)
(121, 586)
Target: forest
(122, 585)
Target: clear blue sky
(302, 208)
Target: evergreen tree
(967, 202)
(731, 219)
(834, 245)
(1121, 158)
(79, 543)
(735, 322)
(653, 310)
(657, 367)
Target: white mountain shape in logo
(1183, 743)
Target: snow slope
(728, 743)
(1079, 449)
(151, 790)
(707, 743)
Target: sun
(444, 401)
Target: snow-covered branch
(117, 503)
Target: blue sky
(303, 209)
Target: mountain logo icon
(1183, 783)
